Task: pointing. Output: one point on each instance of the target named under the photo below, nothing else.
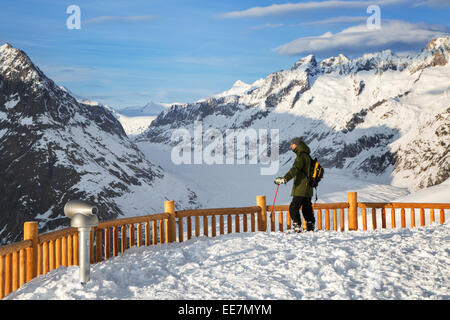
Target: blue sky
(128, 53)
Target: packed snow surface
(379, 264)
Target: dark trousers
(306, 205)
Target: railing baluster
(23, 267)
(52, 254)
(272, 220)
(131, 241)
(189, 227)
(393, 223)
(229, 223)
(280, 220)
(383, 218)
(432, 216)
(115, 233)
(147, 233)
(222, 224)
(39, 259)
(139, 235)
(327, 219)
(403, 218)
(123, 238)
(374, 218)
(422, 217)
(213, 226)
(45, 257)
(161, 231)
(64, 254)
(107, 243)
(245, 222)
(319, 219)
(98, 243)
(288, 220)
(334, 220)
(364, 218)
(180, 230)
(413, 218)
(2, 276)
(15, 271)
(442, 217)
(253, 221)
(8, 274)
(70, 250)
(197, 226)
(342, 220)
(205, 226)
(154, 233)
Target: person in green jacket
(302, 192)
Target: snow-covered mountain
(54, 149)
(381, 116)
(150, 109)
(135, 120)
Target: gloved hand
(280, 180)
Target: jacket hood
(302, 147)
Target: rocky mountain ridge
(370, 116)
(54, 149)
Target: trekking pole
(273, 204)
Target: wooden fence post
(30, 232)
(262, 216)
(169, 207)
(352, 211)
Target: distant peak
(308, 60)
(435, 43)
(6, 45)
(240, 83)
(333, 61)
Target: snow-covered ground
(381, 264)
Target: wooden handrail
(14, 247)
(132, 220)
(316, 206)
(405, 205)
(54, 235)
(216, 211)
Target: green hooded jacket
(299, 172)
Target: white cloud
(394, 34)
(433, 3)
(279, 9)
(334, 20)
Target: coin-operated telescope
(83, 215)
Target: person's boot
(310, 226)
(296, 227)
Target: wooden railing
(38, 254)
(399, 213)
